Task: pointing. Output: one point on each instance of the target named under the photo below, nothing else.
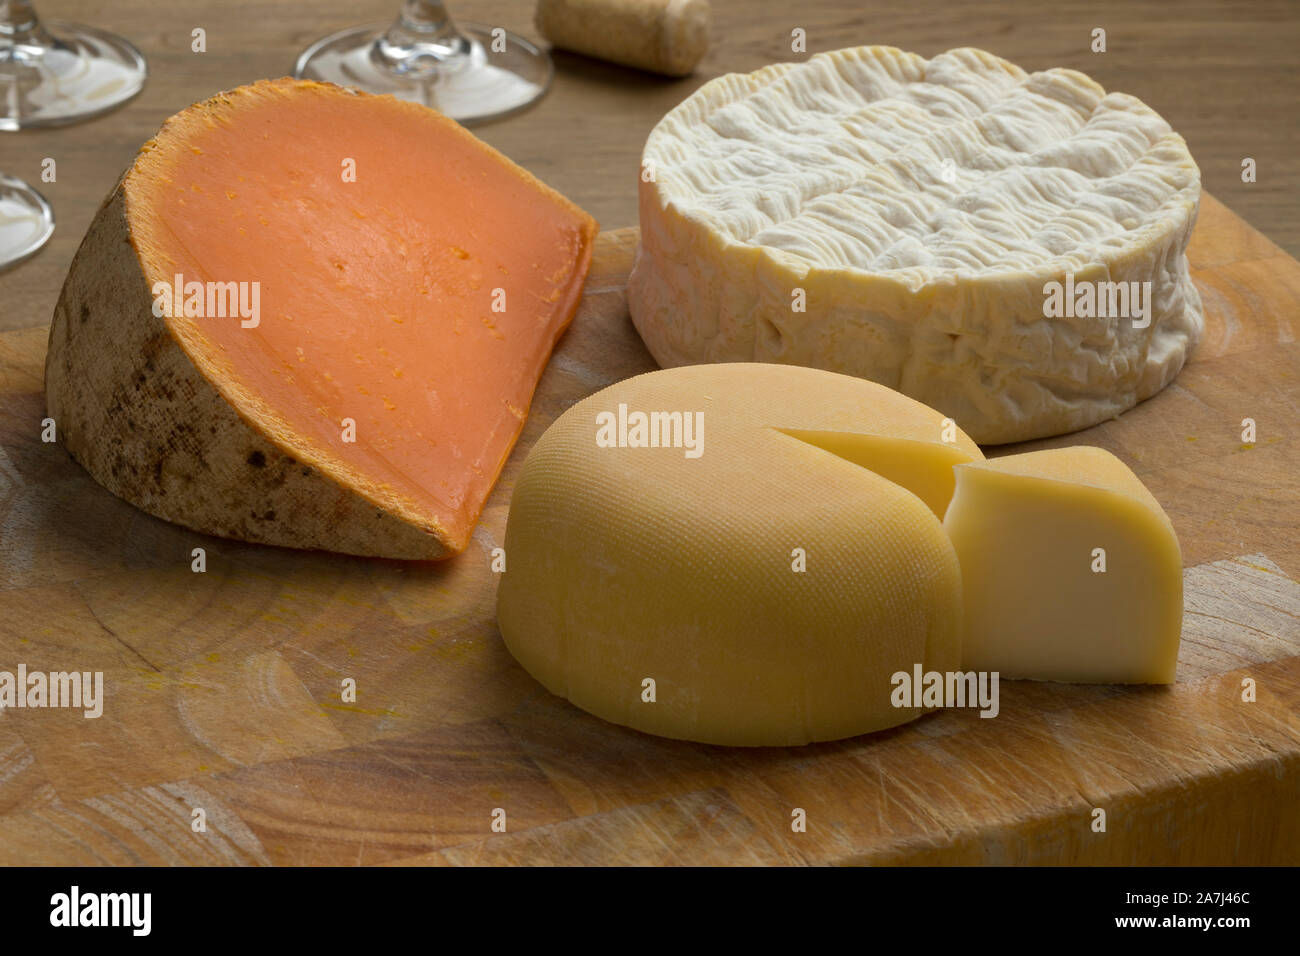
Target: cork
(662, 36)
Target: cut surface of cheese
(879, 214)
(768, 587)
(409, 283)
(923, 467)
(1071, 570)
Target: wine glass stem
(20, 26)
(426, 15)
(422, 40)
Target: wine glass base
(487, 84)
(26, 221)
(85, 73)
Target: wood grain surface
(224, 687)
(1223, 73)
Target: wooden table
(1223, 75)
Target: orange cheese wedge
(312, 317)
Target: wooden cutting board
(223, 687)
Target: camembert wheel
(1006, 247)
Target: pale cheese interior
(1031, 532)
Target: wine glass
(26, 221)
(469, 71)
(67, 73)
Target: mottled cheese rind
(631, 563)
(921, 206)
(1027, 529)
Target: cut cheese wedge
(1071, 570)
(923, 467)
(377, 293)
(765, 585)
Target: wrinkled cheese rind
(627, 564)
(1030, 531)
(828, 176)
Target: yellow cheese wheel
(728, 568)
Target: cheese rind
(371, 405)
(1071, 570)
(634, 563)
(921, 207)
